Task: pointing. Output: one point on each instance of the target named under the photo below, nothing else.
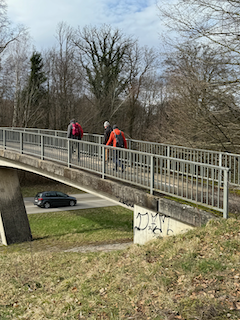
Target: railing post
(103, 162)
(99, 147)
(4, 139)
(220, 164)
(151, 174)
(168, 161)
(69, 153)
(21, 142)
(225, 194)
(220, 159)
(42, 146)
(129, 142)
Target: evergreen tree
(34, 94)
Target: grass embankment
(191, 276)
(66, 229)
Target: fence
(222, 159)
(196, 182)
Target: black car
(47, 199)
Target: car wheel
(72, 203)
(47, 205)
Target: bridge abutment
(14, 224)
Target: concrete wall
(14, 225)
(149, 225)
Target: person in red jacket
(117, 139)
(74, 131)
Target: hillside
(191, 276)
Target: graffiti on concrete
(154, 223)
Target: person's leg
(115, 160)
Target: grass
(63, 230)
(191, 276)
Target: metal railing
(196, 182)
(227, 160)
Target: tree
(7, 34)
(202, 113)
(9, 38)
(215, 24)
(34, 93)
(65, 78)
(17, 63)
(138, 92)
(109, 60)
(212, 22)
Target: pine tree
(34, 93)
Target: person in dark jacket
(107, 131)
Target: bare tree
(11, 62)
(17, 61)
(211, 103)
(201, 112)
(7, 33)
(65, 84)
(139, 91)
(109, 60)
(212, 22)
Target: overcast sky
(138, 18)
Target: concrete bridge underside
(118, 192)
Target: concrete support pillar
(14, 224)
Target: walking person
(107, 131)
(74, 131)
(117, 139)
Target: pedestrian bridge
(145, 173)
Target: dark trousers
(116, 160)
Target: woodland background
(186, 92)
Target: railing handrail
(135, 151)
(128, 139)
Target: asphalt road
(84, 201)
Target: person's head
(115, 127)
(106, 124)
(72, 121)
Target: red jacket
(81, 130)
(112, 138)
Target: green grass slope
(191, 276)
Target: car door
(62, 198)
(52, 198)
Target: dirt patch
(103, 247)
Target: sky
(137, 18)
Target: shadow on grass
(113, 217)
(86, 221)
(84, 231)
